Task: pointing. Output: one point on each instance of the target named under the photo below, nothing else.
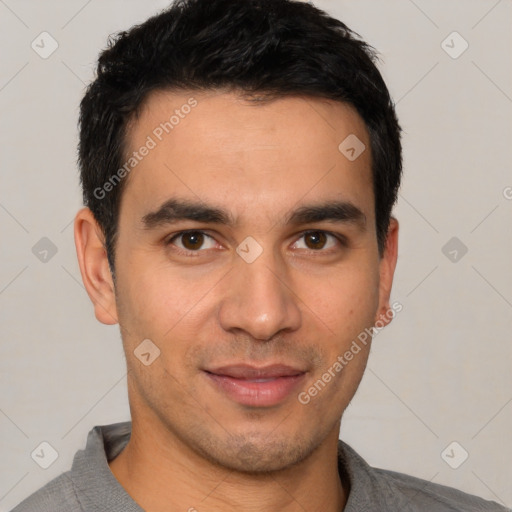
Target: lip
(256, 386)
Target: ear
(386, 272)
(92, 258)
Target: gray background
(439, 373)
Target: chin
(257, 453)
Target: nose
(259, 299)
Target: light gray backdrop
(439, 374)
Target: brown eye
(320, 241)
(192, 241)
(315, 239)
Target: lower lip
(257, 394)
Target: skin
(192, 447)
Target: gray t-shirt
(90, 486)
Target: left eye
(193, 240)
(317, 240)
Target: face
(247, 255)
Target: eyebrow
(330, 211)
(175, 210)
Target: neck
(163, 474)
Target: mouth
(256, 386)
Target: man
(239, 160)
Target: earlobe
(386, 273)
(92, 258)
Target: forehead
(255, 157)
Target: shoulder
(425, 495)
(58, 495)
(388, 491)
(89, 484)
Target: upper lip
(245, 371)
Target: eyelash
(194, 254)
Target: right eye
(191, 241)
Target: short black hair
(268, 48)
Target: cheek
(345, 301)
(162, 311)
(347, 306)
(150, 292)
(159, 303)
